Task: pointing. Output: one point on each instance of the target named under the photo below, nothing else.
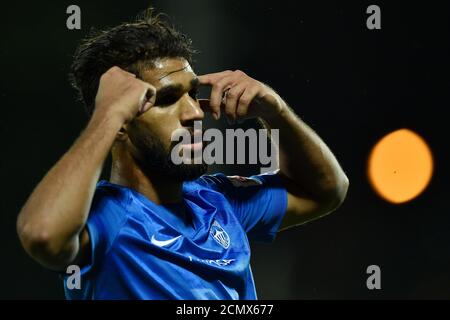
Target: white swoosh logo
(163, 243)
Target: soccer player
(157, 230)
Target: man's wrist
(278, 116)
(107, 122)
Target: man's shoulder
(216, 182)
(110, 201)
(220, 181)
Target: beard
(154, 158)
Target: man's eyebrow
(174, 89)
(178, 70)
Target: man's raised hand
(121, 94)
(240, 96)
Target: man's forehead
(169, 70)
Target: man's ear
(122, 135)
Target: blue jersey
(141, 250)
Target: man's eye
(164, 102)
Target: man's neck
(157, 188)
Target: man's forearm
(58, 208)
(305, 158)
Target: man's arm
(315, 182)
(51, 225)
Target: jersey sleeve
(105, 219)
(259, 202)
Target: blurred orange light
(400, 166)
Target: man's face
(176, 107)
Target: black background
(351, 84)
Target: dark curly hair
(130, 46)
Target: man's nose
(191, 111)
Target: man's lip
(193, 146)
(197, 134)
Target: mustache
(194, 133)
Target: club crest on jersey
(239, 181)
(219, 234)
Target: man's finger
(244, 102)
(148, 99)
(231, 97)
(204, 104)
(218, 91)
(211, 78)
